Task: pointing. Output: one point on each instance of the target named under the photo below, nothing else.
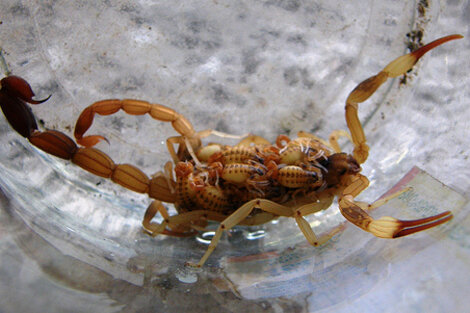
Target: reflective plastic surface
(73, 242)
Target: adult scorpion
(250, 183)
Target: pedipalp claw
(418, 53)
(402, 64)
(389, 227)
(424, 223)
(367, 88)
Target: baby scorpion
(271, 180)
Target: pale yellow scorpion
(250, 183)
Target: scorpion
(250, 183)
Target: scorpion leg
(183, 141)
(365, 89)
(323, 204)
(185, 224)
(168, 175)
(209, 132)
(250, 140)
(155, 229)
(238, 217)
(334, 136)
(384, 227)
(309, 135)
(378, 203)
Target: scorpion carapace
(250, 183)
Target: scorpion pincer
(250, 183)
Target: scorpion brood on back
(250, 183)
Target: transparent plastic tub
(73, 242)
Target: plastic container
(73, 242)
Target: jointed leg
(184, 226)
(365, 89)
(305, 227)
(190, 143)
(249, 140)
(309, 135)
(384, 227)
(380, 202)
(334, 136)
(155, 229)
(238, 217)
(208, 132)
(181, 225)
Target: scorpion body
(250, 183)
